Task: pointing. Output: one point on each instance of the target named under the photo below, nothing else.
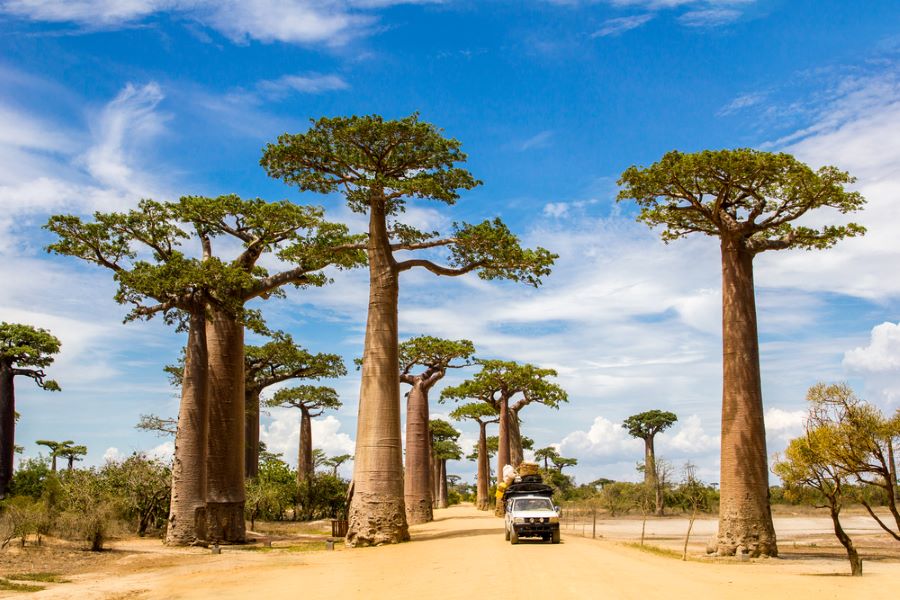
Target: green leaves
(434, 353)
(497, 254)
(743, 194)
(647, 424)
(309, 397)
(371, 158)
(26, 346)
(507, 378)
(475, 411)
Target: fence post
(594, 515)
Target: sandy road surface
(463, 555)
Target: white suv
(531, 516)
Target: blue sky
(103, 102)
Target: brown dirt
(462, 555)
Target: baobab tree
(483, 414)
(540, 391)
(435, 356)
(380, 165)
(336, 461)
(444, 448)
(312, 401)
(25, 351)
(748, 199)
(498, 383)
(547, 455)
(645, 426)
(56, 449)
(210, 294)
(72, 453)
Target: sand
(462, 554)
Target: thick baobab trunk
(377, 514)
(482, 484)
(503, 454)
(442, 497)
(7, 426)
(516, 455)
(225, 447)
(745, 517)
(432, 479)
(651, 477)
(416, 477)
(304, 448)
(852, 555)
(187, 508)
(251, 434)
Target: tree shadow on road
(446, 535)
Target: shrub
(90, 511)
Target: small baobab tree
(444, 448)
(56, 450)
(434, 356)
(645, 426)
(25, 351)
(506, 385)
(749, 200)
(312, 400)
(72, 453)
(483, 414)
(336, 461)
(380, 165)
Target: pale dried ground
(462, 554)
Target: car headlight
(518, 520)
(554, 519)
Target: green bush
(30, 478)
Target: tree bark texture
(304, 448)
(892, 467)
(251, 434)
(377, 513)
(416, 475)
(651, 476)
(852, 555)
(7, 426)
(745, 517)
(442, 498)
(187, 507)
(503, 454)
(516, 454)
(482, 485)
(225, 447)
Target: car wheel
(513, 537)
(555, 538)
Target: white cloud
(311, 83)
(282, 435)
(112, 454)
(882, 353)
(556, 209)
(289, 21)
(539, 140)
(710, 17)
(742, 102)
(618, 26)
(689, 437)
(604, 439)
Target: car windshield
(534, 504)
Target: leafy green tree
(272, 492)
(809, 462)
(380, 165)
(56, 449)
(861, 443)
(72, 453)
(645, 426)
(443, 448)
(548, 455)
(142, 485)
(31, 478)
(749, 200)
(336, 461)
(25, 351)
(508, 387)
(435, 356)
(483, 414)
(210, 294)
(312, 401)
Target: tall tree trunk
(304, 448)
(251, 433)
(187, 507)
(516, 455)
(377, 514)
(651, 476)
(71, 463)
(7, 426)
(225, 454)
(503, 454)
(53, 463)
(745, 517)
(416, 477)
(482, 484)
(442, 483)
(892, 467)
(846, 542)
(432, 479)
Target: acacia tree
(209, 293)
(498, 383)
(809, 464)
(748, 199)
(55, 448)
(24, 351)
(444, 448)
(312, 401)
(645, 426)
(336, 461)
(435, 355)
(483, 414)
(380, 165)
(861, 442)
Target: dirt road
(463, 555)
